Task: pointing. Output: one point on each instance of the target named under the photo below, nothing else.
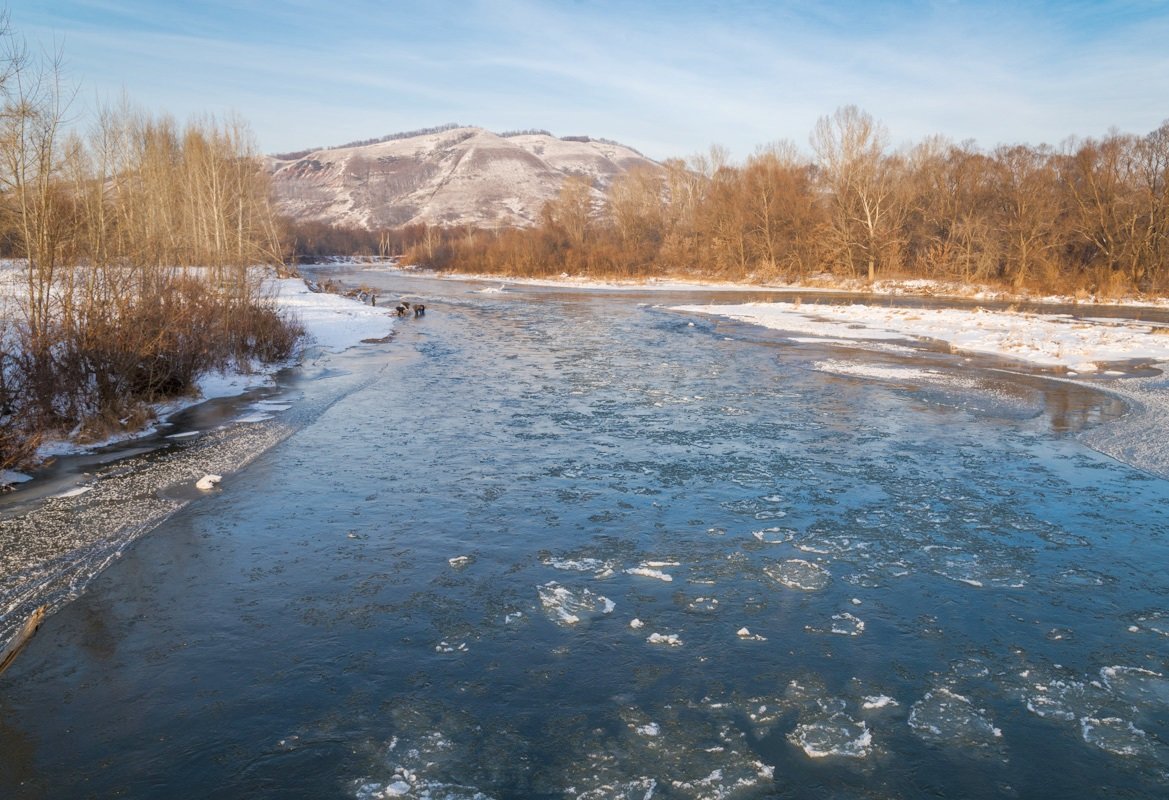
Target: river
(554, 543)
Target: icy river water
(570, 544)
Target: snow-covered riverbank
(1079, 344)
(1072, 347)
(826, 284)
(331, 322)
(76, 523)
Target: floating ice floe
(636, 624)
(846, 624)
(796, 573)
(745, 633)
(1156, 621)
(648, 572)
(458, 562)
(1117, 736)
(723, 783)
(1056, 699)
(1079, 578)
(764, 714)
(602, 569)
(567, 607)
(1137, 686)
(945, 717)
(669, 639)
(638, 789)
(398, 788)
(878, 701)
(976, 569)
(702, 604)
(843, 624)
(700, 756)
(447, 647)
(416, 763)
(835, 734)
(774, 535)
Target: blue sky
(669, 78)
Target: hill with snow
(449, 176)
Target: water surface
(551, 543)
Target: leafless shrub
(139, 242)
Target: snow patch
(1045, 339)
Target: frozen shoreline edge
(1137, 438)
(333, 323)
(915, 288)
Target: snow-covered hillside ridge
(451, 177)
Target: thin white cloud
(669, 79)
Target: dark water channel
(555, 544)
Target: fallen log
(8, 654)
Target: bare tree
(850, 148)
(1029, 211)
(571, 210)
(1151, 179)
(636, 209)
(781, 214)
(36, 207)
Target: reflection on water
(555, 544)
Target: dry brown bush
(139, 242)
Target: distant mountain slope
(448, 177)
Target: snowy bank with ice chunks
(1075, 346)
(1048, 340)
(331, 322)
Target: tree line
(136, 240)
(313, 241)
(1091, 216)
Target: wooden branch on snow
(9, 653)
